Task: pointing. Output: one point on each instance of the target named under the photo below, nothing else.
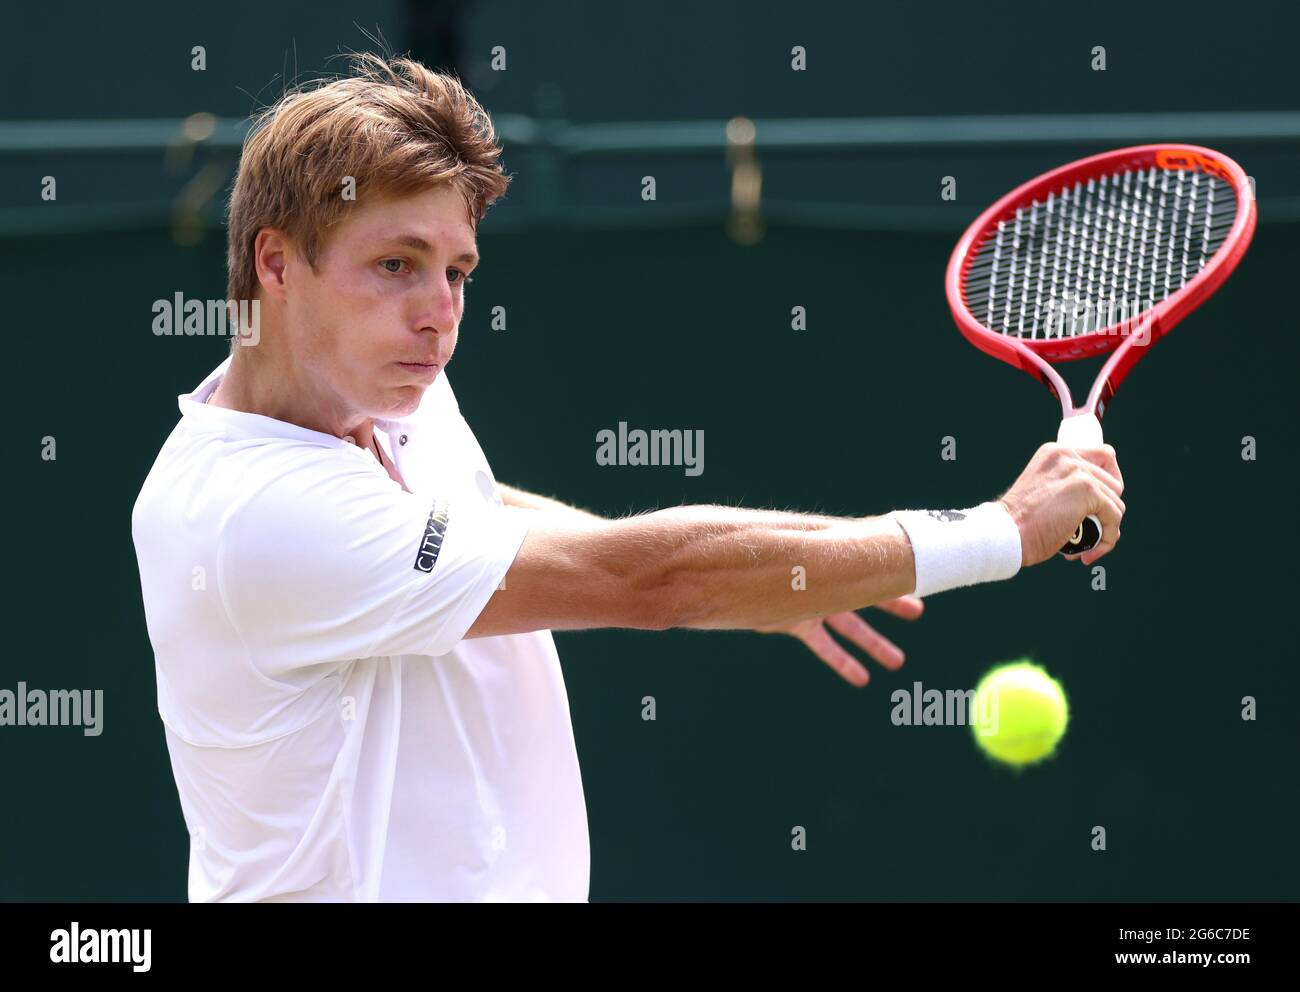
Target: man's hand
(1058, 488)
(817, 637)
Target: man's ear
(272, 251)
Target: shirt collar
(236, 423)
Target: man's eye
(393, 265)
(457, 272)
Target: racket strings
(1098, 254)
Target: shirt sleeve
(325, 570)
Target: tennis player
(351, 618)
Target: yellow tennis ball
(1020, 713)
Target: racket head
(1073, 262)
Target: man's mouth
(424, 371)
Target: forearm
(696, 566)
(719, 567)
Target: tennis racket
(1101, 256)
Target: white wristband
(955, 548)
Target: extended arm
(722, 567)
(697, 566)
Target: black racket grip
(1085, 538)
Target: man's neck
(250, 387)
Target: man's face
(377, 321)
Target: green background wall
(679, 327)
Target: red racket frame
(1035, 356)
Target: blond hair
(394, 126)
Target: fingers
(1107, 482)
(1104, 458)
(817, 638)
(1109, 510)
(907, 607)
(825, 647)
(861, 633)
(1104, 548)
(1109, 507)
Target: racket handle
(1085, 538)
(1083, 430)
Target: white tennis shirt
(332, 736)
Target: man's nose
(441, 311)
